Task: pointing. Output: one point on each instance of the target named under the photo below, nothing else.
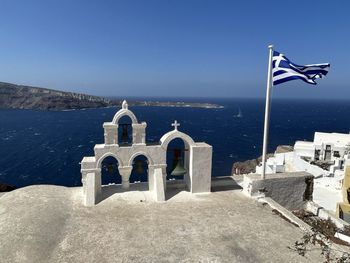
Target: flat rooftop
(45, 223)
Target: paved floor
(49, 224)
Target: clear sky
(182, 48)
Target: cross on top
(175, 125)
(278, 60)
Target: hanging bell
(139, 168)
(110, 168)
(125, 136)
(178, 167)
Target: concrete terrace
(45, 223)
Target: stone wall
(291, 190)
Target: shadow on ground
(109, 190)
(226, 183)
(173, 187)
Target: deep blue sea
(45, 147)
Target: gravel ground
(46, 223)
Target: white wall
(301, 165)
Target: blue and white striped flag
(284, 70)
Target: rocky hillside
(249, 166)
(26, 97)
(6, 188)
(14, 96)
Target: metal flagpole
(267, 112)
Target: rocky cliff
(14, 96)
(26, 97)
(6, 188)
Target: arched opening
(139, 173)
(125, 131)
(177, 161)
(109, 171)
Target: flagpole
(267, 112)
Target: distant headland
(14, 96)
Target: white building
(333, 148)
(325, 147)
(276, 164)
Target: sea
(46, 147)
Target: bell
(139, 167)
(110, 168)
(125, 136)
(178, 167)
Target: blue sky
(185, 48)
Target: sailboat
(239, 115)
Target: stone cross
(175, 125)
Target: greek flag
(284, 70)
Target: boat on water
(239, 115)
